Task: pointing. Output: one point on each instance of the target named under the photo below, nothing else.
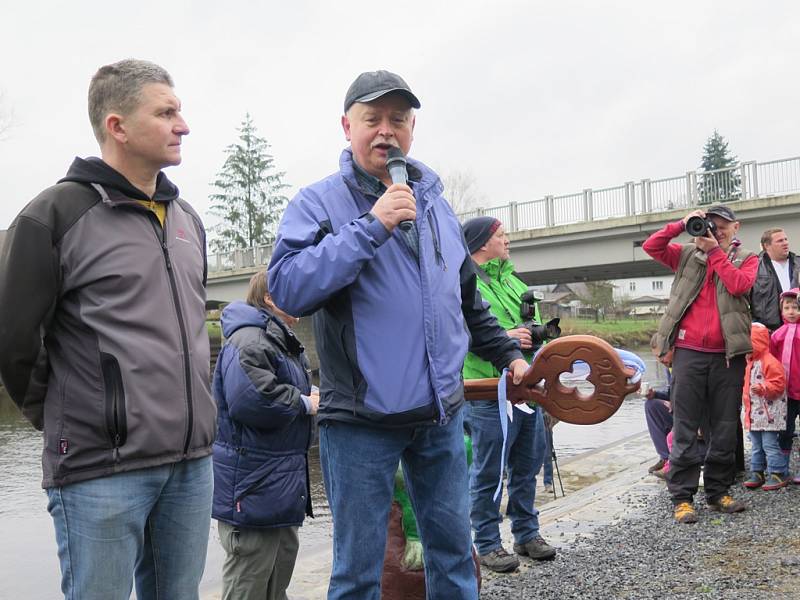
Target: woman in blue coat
(265, 407)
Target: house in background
(648, 307)
(639, 297)
(566, 300)
(628, 290)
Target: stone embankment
(617, 539)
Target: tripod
(554, 458)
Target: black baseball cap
(721, 211)
(372, 85)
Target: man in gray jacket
(777, 273)
(103, 346)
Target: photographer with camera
(708, 322)
(516, 311)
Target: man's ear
(346, 127)
(115, 127)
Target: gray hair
(117, 88)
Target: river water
(28, 563)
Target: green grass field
(624, 332)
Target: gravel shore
(754, 554)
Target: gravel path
(754, 554)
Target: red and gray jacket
(103, 343)
(694, 318)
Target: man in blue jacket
(395, 311)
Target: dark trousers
(704, 383)
(786, 437)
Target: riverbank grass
(625, 333)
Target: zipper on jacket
(116, 421)
(187, 371)
(435, 235)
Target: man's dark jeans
(704, 382)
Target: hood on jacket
(95, 170)
(241, 314)
(759, 336)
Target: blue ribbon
(501, 404)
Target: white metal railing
(242, 258)
(743, 181)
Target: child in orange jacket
(764, 412)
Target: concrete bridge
(611, 249)
(588, 251)
(596, 234)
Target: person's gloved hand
(412, 557)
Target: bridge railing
(742, 181)
(749, 179)
(242, 258)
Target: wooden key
(608, 374)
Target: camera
(540, 333)
(698, 226)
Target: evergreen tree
(248, 197)
(718, 187)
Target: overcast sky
(533, 98)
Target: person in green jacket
(525, 445)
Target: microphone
(396, 165)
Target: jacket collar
(422, 179)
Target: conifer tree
(248, 194)
(723, 186)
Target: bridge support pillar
(647, 199)
(588, 212)
(549, 211)
(692, 198)
(630, 199)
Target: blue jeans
(358, 464)
(766, 454)
(153, 522)
(525, 449)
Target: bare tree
(461, 190)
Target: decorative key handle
(608, 374)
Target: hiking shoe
(726, 504)
(685, 513)
(548, 488)
(775, 481)
(660, 473)
(657, 466)
(536, 548)
(756, 480)
(499, 561)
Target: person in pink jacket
(764, 413)
(785, 346)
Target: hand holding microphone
(397, 205)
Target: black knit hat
(477, 232)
